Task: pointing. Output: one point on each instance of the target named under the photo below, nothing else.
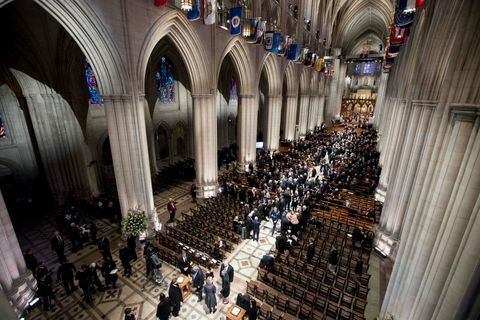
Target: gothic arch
(15, 168)
(85, 27)
(240, 55)
(290, 75)
(175, 26)
(272, 71)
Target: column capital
(202, 95)
(424, 104)
(464, 112)
(121, 97)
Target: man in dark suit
(125, 258)
(163, 308)
(58, 245)
(175, 295)
(256, 229)
(104, 248)
(132, 246)
(226, 273)
(66, 273)
(172, 209)
(198, 280)
(184, 264)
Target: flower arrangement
(135, 222)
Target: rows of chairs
(172, 174)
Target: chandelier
(186, 5)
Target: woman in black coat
(226, 273)
(175, 295)
(163, 308)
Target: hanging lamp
(186, 5)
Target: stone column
(205, 135)
(444, 221)
(394, 209)
(380, 101)
(128, 142)
(334, 103)
(291, 117)
(273, 117)
(303, 117)
(321, 110)
(312, 113)
(150, 137)
(17, 281)
(247, 130)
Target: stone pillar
(205, 135)
(17, 281)
(247, 130)
(303, 117)
(380, 101)
(336, 81)
(290, 117)
(150, 137)
(394, 209)
(443, 238)
(128, 142)
(321, 110)
(312, 113)
(273, 118)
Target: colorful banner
(275, 42)
(404, 12)
(319, 65)
(235, 20)
(196, 11)
(293, 51)
(268, 40)
(210, 12)
(398, 34)
(3, 133)
(283, 45)
(160, 3)
(308, 59)
(253, 24)
(302, 56)
(260, 30)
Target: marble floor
(142, 295)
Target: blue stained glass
(165, 81)
(357, 68)
(367, 69)
(233, 90)
(3, 132)
(93, 94)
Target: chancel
(300, 159)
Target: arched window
(165, 81)
(93, 94)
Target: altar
(185, 285)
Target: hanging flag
(404, 12)
(418, 4)
(195, 13)
(319, 65)
(302, 56)
(292, 52)
(308, 59)
(160, 3)
(314, 60)
(393, 51)
(210, 11)
(253, 25)
(260, 30)
(3, 134)
(398, 34)
(283, 45)
(235, 20)
(275, 42)
(268, 41)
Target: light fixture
(186, 5)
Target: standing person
(175, 295)
(109, 273)
(93, 232)
(358, 273)
(274, 216)
(58, 245)
(74, 236)
(44, 283)
(310, 251)
(253, 311)
(172, 209)
(210, 296)
(193, 193)
(130, 314)
(256, 229)
(132, 246)
(163, 308)
(125, 258)
(30, 261)
(198, 280)
(66, 273)
(184, 264)
(226, 273)
(84, 283)
(104, 248)
(333, 260)
(94, 279)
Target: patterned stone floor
(138, 293)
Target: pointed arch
(240, 55)
(290, 75)
(305, 82)
(271, 65)
(175, 26)
(88, 31)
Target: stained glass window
(165, 81)
(93, 94)
(357, 68)
(3, 132)
(367, 69)
(233, 90)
